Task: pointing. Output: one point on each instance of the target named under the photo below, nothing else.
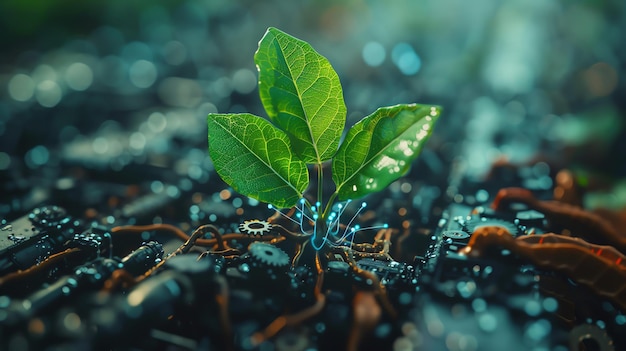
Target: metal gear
(255, 227)
(268, 254)
(456, 234)
(476, 223)
(592, 333)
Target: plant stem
(329, 205)
(320, 187)
(320, 222)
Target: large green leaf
(301, 94)
(255, 158)
(380, 148)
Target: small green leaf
(255, 158)
(302, 94)
(380, 148)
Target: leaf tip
(435, 111)
(270, 31)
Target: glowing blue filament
(310, 214)
(345, 233)
(298, 215)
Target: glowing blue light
(406, 59)
(331, 235)
(373, 54)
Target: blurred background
(112, 84)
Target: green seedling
(303, 98)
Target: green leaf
(302, 94)
(255, 158)
(380, 148)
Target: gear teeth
(255, 227)
(268, 254)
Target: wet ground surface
(106, 118)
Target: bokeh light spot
(78, 76)
(406, 59)
(48, 93)
(142, 73)
(21, 87)
(244, 81)
(374, 54)
(5, 161)
(37, 156)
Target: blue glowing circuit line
(282, 214)
(303, 215)
(345, 233)
(334, 224)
